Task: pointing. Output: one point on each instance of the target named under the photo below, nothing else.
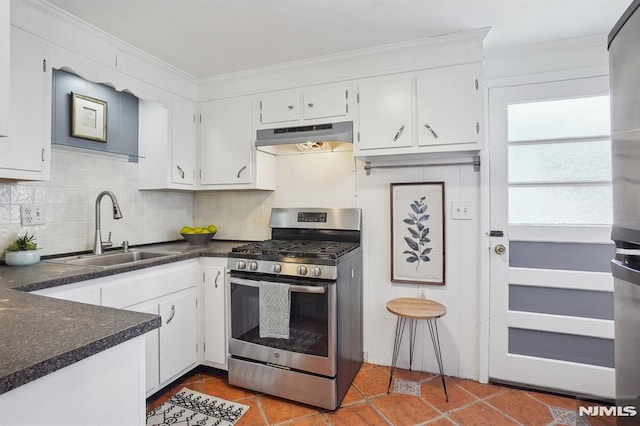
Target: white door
(551, 292)
(215, 315)
(330, 100)
(386, 113)
(178, 337)
(447, 106)
(226, 142)
(183, 141)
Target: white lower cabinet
(171, 291)
(168, 291)
(214, 312)
(178, 338)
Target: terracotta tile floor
(367, 403)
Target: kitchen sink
(111, 260)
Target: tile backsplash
(69, 202)
(238, 215)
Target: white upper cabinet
(447, 106)
(309, 104)
(183, 142)
(280, 107)
(4, 67)
(386, 114)
(167, 144)
(329, 100)
(228, 157)
(421, 112)
(25, 153)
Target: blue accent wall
(122, 115)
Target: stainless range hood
(311, 138)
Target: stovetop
(295, 249)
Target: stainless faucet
(98, 244)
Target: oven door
(311, 346)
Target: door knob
(500, 249)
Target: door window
(559, 162)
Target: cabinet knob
(310, 104)
(399, 133)
(290, 106)
(433, 132)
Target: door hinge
(44, 65)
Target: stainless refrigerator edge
(624, 72)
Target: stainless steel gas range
(315, 258)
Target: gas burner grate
(287, 248)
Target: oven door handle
(292, 288)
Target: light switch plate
(461, 210)
(32, 214)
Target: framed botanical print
(417, 233)
(88, 118)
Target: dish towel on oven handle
(275, 309)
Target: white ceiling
(210, 37)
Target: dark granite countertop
(39, 335)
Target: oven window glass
(308, 323)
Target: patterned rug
(190, 408)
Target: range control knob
(253, 265)
(277, 268)
(302, 270)
(316, 271)
(241, 264)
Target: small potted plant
(23, 251)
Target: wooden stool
(413, 309)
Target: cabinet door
(386, 114)
(183, 141)
(24, 154)
(325, 101)
(225, 142)
(280, 107)
(152, 350)
(447, 106)
(215, 337)
(4, 67)
(178, 338)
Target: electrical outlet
(32, 214)
(461, 210)
(422, 292)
